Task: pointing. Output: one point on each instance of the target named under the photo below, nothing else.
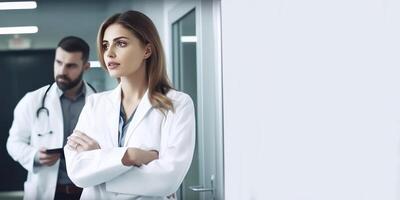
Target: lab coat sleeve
(90, 168)
(163, 176)
(18, 142)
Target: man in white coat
(44, 118)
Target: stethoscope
(43, 108)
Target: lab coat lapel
(112, 111)
(88, 89)
(141, 111)
(55, 114)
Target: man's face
(68, 68)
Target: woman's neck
(134, 86)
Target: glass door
(185, 79)
(196, 70)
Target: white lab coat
(101, 172)
(23, 142)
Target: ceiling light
(185, 39)
(95, 64)
(18, 30)
(18, 5)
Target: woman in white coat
(136, 141)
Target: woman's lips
(112, 65)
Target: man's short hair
(75, 44)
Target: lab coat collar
(141, 111)
(116, 96)
(116, 99)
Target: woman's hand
(137, 157)
(79, 142)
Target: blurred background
(26, 63)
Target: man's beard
(64, 86)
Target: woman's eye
(105, 46)
(121, 44)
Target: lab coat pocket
(40, 132)
(29, 190)
(36, 134)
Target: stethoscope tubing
(46, 110)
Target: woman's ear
(147, 51)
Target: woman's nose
(110, 53)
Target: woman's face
(124, 53)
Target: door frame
(203, 8)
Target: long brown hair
(144, 29)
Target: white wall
(311, 99)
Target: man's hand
(47, 159)
(79, 142)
